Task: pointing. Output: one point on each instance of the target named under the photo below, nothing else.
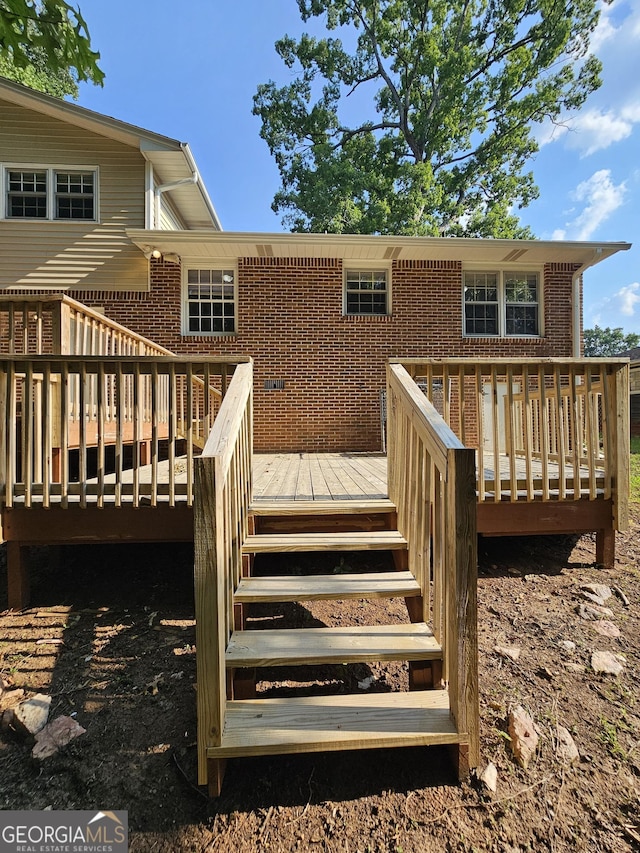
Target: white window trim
(502, 304)
(366, 266)
(50, 169)
(211, 264)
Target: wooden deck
(319, 476)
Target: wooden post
(19, 588)
(462, 609)
(606, 547)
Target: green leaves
(51, 32)
(450, 91)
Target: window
(210, 301)
(502, 303)
(366, 292)
(50, 194)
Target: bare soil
(110, 635)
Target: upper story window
(502, 303)
(50, 193)
(366, 292)
(210, 300)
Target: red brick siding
(291, 323)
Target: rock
(566, 748)
(573, 667)
(489, 777)
(32, 714)
(6, 720)
(523, 734)
(594, 611)
(10, 698)
(545, 672)
(597, 592)
(567, 646)
(54, 736)
(608, 663)
(366, 683)
(511, 652)
(623, 598)
(606, 628)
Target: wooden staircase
(258, 726)
(427, 525)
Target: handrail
(431, 478)
(94, 430)
(223, 489)
(550, 428)
(63, 326)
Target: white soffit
(232, 245)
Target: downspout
(575, 299)
(163, 188)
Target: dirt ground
(110, 635)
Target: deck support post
(215, 775)
(18, 576)
(606, 547)
(459, 753)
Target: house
(146, 354)
(129, 230)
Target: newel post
(462, 607)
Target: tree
(45, 44)
(37, 75)
(606, 342)
(451, 90)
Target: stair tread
(340, 507)
(316, 587)
(382, 540)
(330, 723)
(360, 643)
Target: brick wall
(291, 323)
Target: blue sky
(189, 70)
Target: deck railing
(549, 429)
(58, 325)
(105, 430)
(223, 482)
(431, 478)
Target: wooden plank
(269, 543)
(359, 644)
(264, 507)
(304, 489)
(318, 587)
(38, 526)
(318, 483)
(541, 517)
(332, 723)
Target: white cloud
(612, 310)
(596, 129)
(628, 298)
(601, 198)
(613, 111)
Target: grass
(635, 468)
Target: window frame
(51, 193)
(207, 264)
(501, 273)
(366, 267)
